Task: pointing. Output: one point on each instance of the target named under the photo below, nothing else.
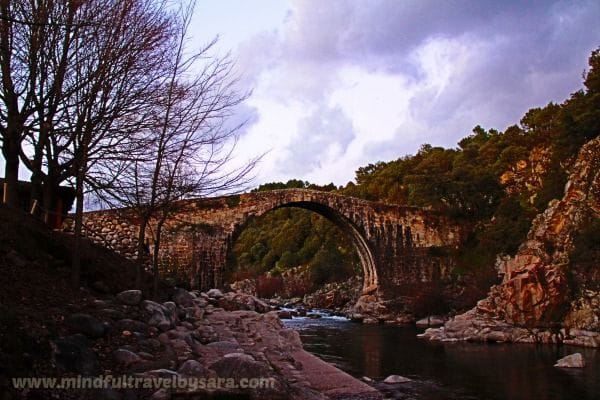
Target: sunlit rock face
(535, 290)
(543, 297)
(526, 176)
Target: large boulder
(161, 316)
(574, 360)
(240, 301)
(215, 293)
(194, 368)
(183, 298)
(126, 357)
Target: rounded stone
(574, 360)
(392, 379)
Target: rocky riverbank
(544, 297)
(337, 297)
(181, 345)
(215, 340)
(475, 328)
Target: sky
(339, 84)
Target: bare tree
(16, 98)
(117, 66)
(187, 149)
(98, 86)
(77, 80)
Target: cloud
(346, 82)
(322, 138)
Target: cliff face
(535, 290)
(540, 288)
(527, 175)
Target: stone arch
(370, 276)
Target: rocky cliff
(541, 298)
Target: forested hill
(498, 181)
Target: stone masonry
(400, 247)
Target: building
(64, 202)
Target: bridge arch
(400, 247)
(361, 246)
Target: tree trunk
(155, 272)
(38, 188)
(10, 150)
(142, 252)
(76, 262)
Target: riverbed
(448, 370)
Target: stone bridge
(400, 247)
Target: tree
(77, 78)
(186, 149)
(16, 100)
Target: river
(448, 370)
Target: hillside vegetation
(290, 237)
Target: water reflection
(450, 370)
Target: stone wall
(114, 229)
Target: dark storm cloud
(355, 29)
(519, 54)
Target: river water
(448, 370)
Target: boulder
(225, 346)
(159, 320)
(392, 379)
(430, 321)
(356, 317)
(215, 293)
(193, 368)
(85, 324)
(241, 301)
(200, 302)
(163, 373)
(150, 307)
(183, 298)
(126, 357)
(574, 360)
(130, 297)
